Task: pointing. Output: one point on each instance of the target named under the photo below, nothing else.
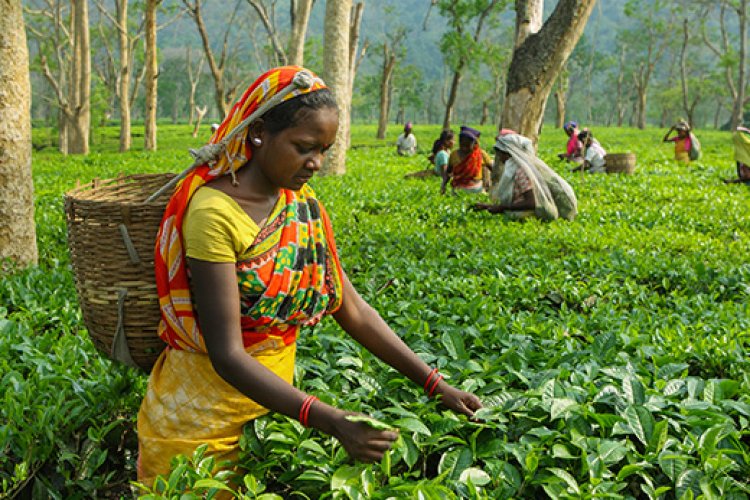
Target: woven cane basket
(111, 236)
(620, 163)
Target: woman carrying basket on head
(686, 145)
(245, 257)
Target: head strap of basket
(227, 151)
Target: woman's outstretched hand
(493, 209)
(457, 400)
(361, 441)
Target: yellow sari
(290, 278)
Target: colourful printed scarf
(178, 327)
(469, 171)
(293, 275)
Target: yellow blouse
(216, 228)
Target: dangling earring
(257, 141)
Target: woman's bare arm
(526, 203)
(666, 136)
(366, 326)
(216, 294)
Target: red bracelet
(434, 386)
(304, 411)
(429, 377)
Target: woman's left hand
(457, 400)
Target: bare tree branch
(271, 29)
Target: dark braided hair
(445, 136)
(290, 112)
(585, 135)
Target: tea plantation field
(611, 352)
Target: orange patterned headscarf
(178, 325)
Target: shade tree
(393, 50)
(727, 39)
(539, 54)
(129, 25)
(461, 44)
(337, 74)
(224, 90)
(408, 89)
(60, 34)
(17, 230)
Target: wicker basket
(111, 236)
(620, 163)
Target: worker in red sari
(574, 147)
(468, 166)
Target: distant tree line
(670, 59)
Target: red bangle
(304, 411)
(434, 386)
(429, 377)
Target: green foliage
(458, 45)
(611, 352)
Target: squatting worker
(468, 166)
(406, 144)
(245, 257)
(574, 147)
(523, 186)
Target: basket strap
(209, 153)
(120, 350)
(129, 246)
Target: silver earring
(257, 141)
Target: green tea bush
(611, 352)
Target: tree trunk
(217, 68)
(201, 113)
(683, 72)
(620, 105)
(666, 113)
(354, 28)
(122, 28)
(560, 117)
(80, 102)
(452, 96)
(176, 101)
(296, 49)
(739, 102)
(389, 63)
(152, 74)
(17, 231)
(336, 69)
(537, 62)
(641, 107)
(717, 115)
(62, 132)
(561, 97)
(485, 113)
(497, 97)
(528, 19)
(260, 9)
